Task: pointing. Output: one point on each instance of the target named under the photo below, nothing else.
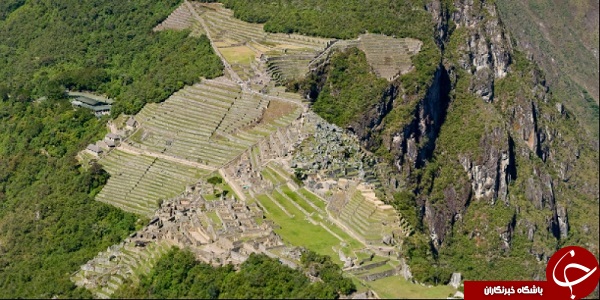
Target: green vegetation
(296, 230)
(220, 188)
(8, 6)
(49, 222)
(108, 47)
(346, 20)
(562, 38)
(395, 287)
(335, 18)
(350, 89)
(179, 275)
(215, 180)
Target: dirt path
(233, 74)
(132, 150)
(233, 184)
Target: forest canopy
(49, 222)
(179, 275)
(103, 46)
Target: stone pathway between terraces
(132, 150)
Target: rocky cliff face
(524, 167)
(415, 142)
(522, 162)
(493, 171)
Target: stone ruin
(219, 232)
(329, 154)
(246, 168)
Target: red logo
(575, 270)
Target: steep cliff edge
(562, 37)
(492, 158)
(528, 178)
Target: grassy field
(238, 55)
(314, 199)
(298, 231)
(213, 216)
(298, 199)
(396, 287)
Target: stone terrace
(210, 123)
(181, 19)
(291, 66)
(223, 26)
(368, 217)
(387, 55)
(138, 182)
(127, 261)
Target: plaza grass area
(396, 287)
(238, 55)
(222, 187)
(298, 231)
(313, 198)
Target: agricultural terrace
(303, 220)
(242, 44)
(138, 182)
(209, 123)
(119, 264)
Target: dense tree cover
(106, 46)
(49, 222)
(8, 6)
(336, 18)
(179, 275)
(346, 88)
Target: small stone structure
(94, 149)
(112, 139)
(131, 124)
(455, 280)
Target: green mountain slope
(49, 223)
(562, 36)
(497, 171)
(104, 46)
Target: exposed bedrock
(415, 142)
(485, 52)
(491, 173)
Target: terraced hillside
(368, 217)
(117, 265)
(181, 18)
(204, 127)
(291, 66)
(288, 54)
(304, 219)
(388, 56)
(208, 123)
(138, 182)
(223, 27)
